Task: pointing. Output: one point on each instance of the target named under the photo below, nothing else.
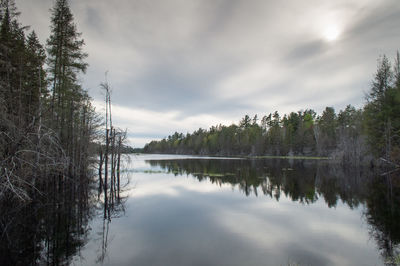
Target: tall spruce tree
(5, 62)
(382, 112)
(36, 76)
(11, 55)
(66, 62)
(65, 58)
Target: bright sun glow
(331, 33)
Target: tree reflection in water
(113, 207)
(383, 215)
(52, 228)
(49, 229)
(305, 182)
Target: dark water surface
(189, 211)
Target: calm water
(181, 210)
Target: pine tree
(5, 62)
(66, 62)
(10, 7)
(35, 76)
(382, 112)
(65, 58)
(397, 71)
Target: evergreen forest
(368, 135)
(47, 119)
(50, 140)
(62, 161)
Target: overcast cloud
(177, 65)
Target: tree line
(50, 141)
(47, 125)
(50, 134)
(352, 135)
(47, 120)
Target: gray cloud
(217, 60)
(377, 25)
(306, 51)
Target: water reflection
(304, 212)
(383, 215)
(301, 181)
(110, 196)
(48, 230)
(53, 227)
(306, 182)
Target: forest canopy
(353, 135)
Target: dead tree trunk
(106, 174)
(112, 177)
(118, 167)
(101, 160)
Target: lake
(183, 210)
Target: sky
(178, 65)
